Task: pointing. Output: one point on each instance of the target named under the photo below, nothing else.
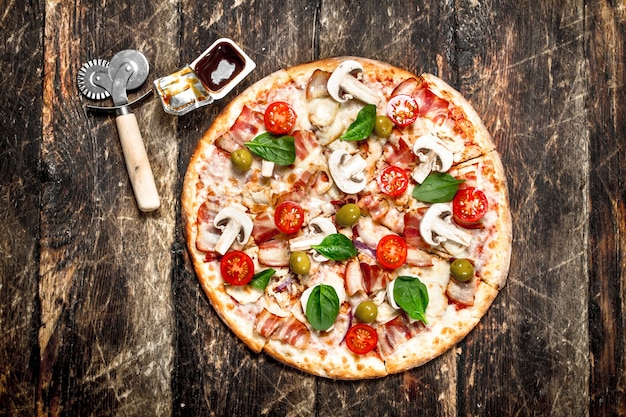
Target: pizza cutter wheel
(99, 79)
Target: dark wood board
(20, 183)
(101, 312)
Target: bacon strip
(287, 329)
(322, 182)
(376, 206)
(401, 156)
(207, 233)
(374, 277)
(292, 331)
(274, 252)
(462, 293)
(263, 228)
(396, 332)
(418, 257)
(266, 323)
(243, 130)
(354, 277)
(431, 106)
(412, 220)
(304, 141)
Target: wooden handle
(137, 163)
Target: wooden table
(100, 310)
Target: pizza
(348, 218)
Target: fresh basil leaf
(261, 279)
(363, 126)
(438, 187)
(280, 150)
(412, 297)
(336, 247)
(322, 307)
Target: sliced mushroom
(342, 85)
(436, 227)
(347, 171)
(318, 228)
(433, 156)
(234, 224)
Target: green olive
(348, 215)
(366, 312)
(462, 270)
(299, 263)
(383, 126)
(241, 159)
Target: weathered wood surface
(100, 311)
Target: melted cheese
(243, 294)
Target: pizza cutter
(99, 79)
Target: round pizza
(348, 218)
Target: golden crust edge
(501, 246)
(344, 366)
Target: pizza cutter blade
(99, 79)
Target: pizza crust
(208, 272)
(434, 340)
(336, 361)
(482, 143)
(496, 254)
(333, 362)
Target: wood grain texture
(605, 29)
(21, 34)
(104, 287)
(538, 67)
(101, 313)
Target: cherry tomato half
(393, 181)
(361, 338)
(469, 206)
(402, 109)
(237, 268)
(279, 118)
(391, 251)
(289, 217)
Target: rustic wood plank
(214, 372)
(416, 36)
(526, 73)
(106, 335)
(605, 30)
(21, 33)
